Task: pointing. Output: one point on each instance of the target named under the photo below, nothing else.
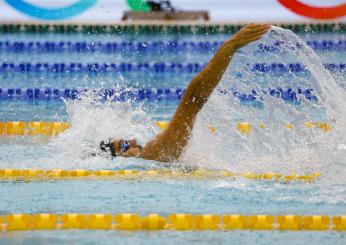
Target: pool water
(167, 64)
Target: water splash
(94, 119)
(273, 147)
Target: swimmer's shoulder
(160, 149)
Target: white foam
(273, 148)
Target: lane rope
(179, 222)
(146, 47)
(292, 95)
(164, 28)
(156, 67)
(55, 128)
(195, 173)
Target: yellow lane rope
(182, 222)
(34, 174)
(54, 128)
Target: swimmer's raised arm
(168, 145)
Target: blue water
(325, 196)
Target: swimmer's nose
(133, 142)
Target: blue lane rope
(138, 94)
(161, 67)
(100, 67)
(154, 46)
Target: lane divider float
(33, 128)
(161, 67)
(178, 222)
(196, 173)
(246, 127)
(164, 28)
(255, 97)
(55, 128)
(149, 47)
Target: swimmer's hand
(246, 35)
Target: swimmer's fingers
(248, 35)
(256, 26)
(252, 28)
(254, 36)
(248, 31)
(251, 32)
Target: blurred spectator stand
(163, 10)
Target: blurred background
(107, 11)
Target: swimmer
(168, 145)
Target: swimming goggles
(109, 147)
(124, 146)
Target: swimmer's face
(133, 148)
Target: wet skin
(133, 151)
(168, 145)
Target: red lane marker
(315, 12)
